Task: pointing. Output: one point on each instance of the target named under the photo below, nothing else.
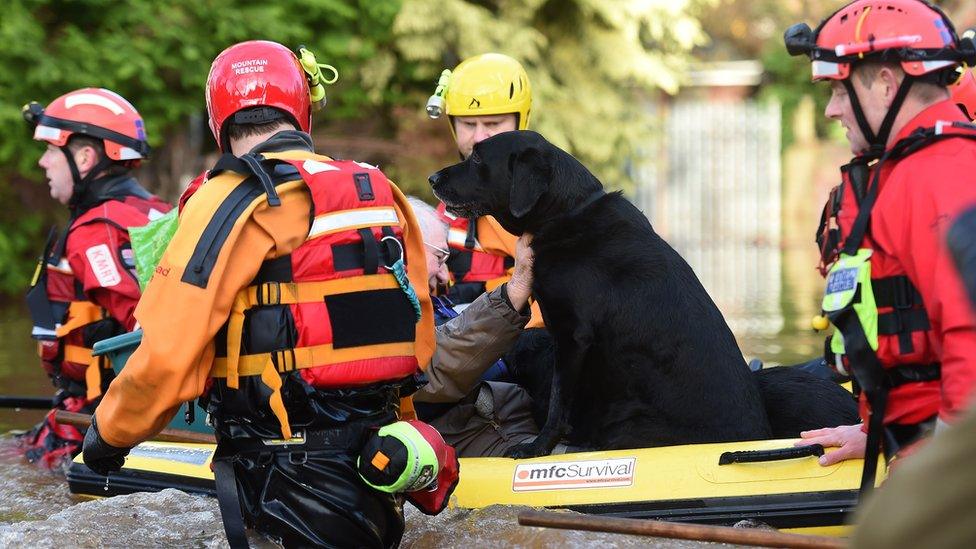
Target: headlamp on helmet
(435, 105)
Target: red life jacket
(57, 293)
(469, 262)
(332, 309)
(908, 348)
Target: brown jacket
(489, 417)
(468, 345)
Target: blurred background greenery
(599, 70)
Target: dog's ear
(530, 180)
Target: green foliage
(157, 54)
(593, 66)
(592, 63)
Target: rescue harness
(852, 299)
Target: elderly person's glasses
(441, 254)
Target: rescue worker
(903, 326)
(471, 398)
(942, 472)
(284, 300)
(484, 95)
(85, 286)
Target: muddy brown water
(37, 510)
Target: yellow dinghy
(768, 481)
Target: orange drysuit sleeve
(179, 320)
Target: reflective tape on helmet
(825, 69)
(930, 66)
(125, 153)
(43, 133)
(103, 101)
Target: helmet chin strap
(81, 184)
(877, 143)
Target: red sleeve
(912, 225)
(191, 189)
(95, 252)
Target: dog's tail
(797, 400)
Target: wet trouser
(310, 494)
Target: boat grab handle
(770, 455)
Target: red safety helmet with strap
(913, 33)
(97, 113)
(259, 73)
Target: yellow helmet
(489, 84)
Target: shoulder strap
(916, 141)
(246, 192)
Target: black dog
(795, 400)
(644, 357)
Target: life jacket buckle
(284, 360)
(392, 253)
(269, 293)
(903, 298)
(297, 458)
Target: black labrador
(644, 357)
(795, 399)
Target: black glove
(100, 456)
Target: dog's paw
(526, 450)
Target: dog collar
(593, 197)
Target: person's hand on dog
(849, 440)
(520, 286)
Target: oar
(675, 530)
(26, 402)
(166, 435)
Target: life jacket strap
(93, 373)
(270, 366)
(299, 358)
(287, 293)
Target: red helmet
(254, 74)
(94, 112)
(913, 32)
(964, 93)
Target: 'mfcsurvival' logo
(602, 473)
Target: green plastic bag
(149, 242)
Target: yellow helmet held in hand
(489, 84)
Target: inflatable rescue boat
(769, 481)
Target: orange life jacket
(332, 309)
(469, 262)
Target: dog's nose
(434, 178)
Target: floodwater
(37, 510)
